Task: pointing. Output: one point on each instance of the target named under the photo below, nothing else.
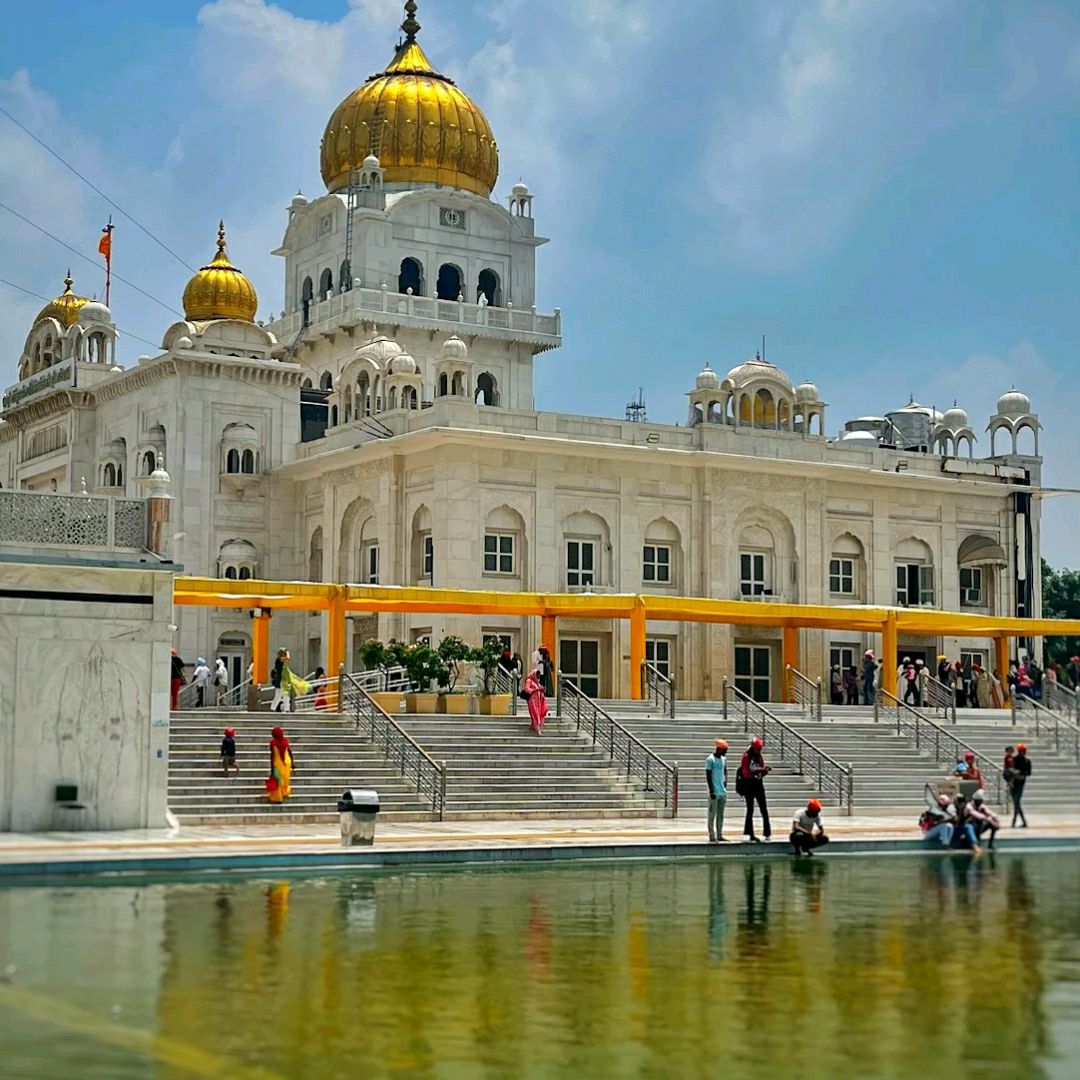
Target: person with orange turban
(807, 832)
(716, 779)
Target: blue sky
(887, 190)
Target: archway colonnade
(265, 597)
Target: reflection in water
(862, 967)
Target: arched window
(307, 293)
(487, 392)
(326, 284)
(238, 559)
(109, 479)
(315, 555)
(444, 385)
(149, 462)
(363, 395)
(487, 285)
(333, 416)
(764, 409)
(245, 573)
(348, 403)
(232, 461)
(120, 475)
(326, 382)
(247, 461)
(411, 276)
(36, 367)
(230, 572)
(413, 402)
(392, 398)
(345, 276)
(47, 357)
(306, 385)
(449, 284)
(457, 387)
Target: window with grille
(369, 564)
(842, 576)
(753, 574)
(498, 553)
(971, 586)
(580, 562)
(427, 559)
(914, 585)
(656, 564)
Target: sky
(886, 189)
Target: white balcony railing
(421, 310)
(36, 519)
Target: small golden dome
(65, 308)
(419, 124)
(219, 290)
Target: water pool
(842, 967)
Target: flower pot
(457, 704)
(421, 703)
(387, 701)
(494, 705)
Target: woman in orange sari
(279, 782)
(534, 688)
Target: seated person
(968, 770)
(964, 837)
(938, 821)
(807, 832)
(981, 817)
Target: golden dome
(418, 123)
(219, 290)
(65, 308)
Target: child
(228, 751)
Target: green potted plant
(375, 656)
(454, 653)
(426, 668)
(486, 658)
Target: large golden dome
(65, 308)
(419, 124)
(219, 290)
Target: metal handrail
(939, 741)
(622, 745)
(1065, 733)
(507, 682)
(832, 776)
(413, 761)
(236, 696)
(1054, 694)
(940, 696)
(658, 688)
(804, 691)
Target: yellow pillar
(637, 649)
(335, 641)
(888, 654)
(549, 636)
(790, 658)
(260, 647)
(1001, 662)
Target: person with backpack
(750, 784)
(1021, 770)
(716, 779)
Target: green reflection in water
(897, 967)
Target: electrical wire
(30, 292)
(86, 258)
(119, 209)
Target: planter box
(494, 704)
(457, 704)
(421, 703)
(388, 702)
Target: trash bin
(358, 807)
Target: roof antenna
(763, 347)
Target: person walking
(836, 685)
(285, 683)
(922, 680)
(943, 670)
(319, 682)
(958, 685)
(201, 678)
(176, 679)
(279, 782)
(807, 832)
(1021, 773)
(851, 686)
(228, 751)
(221, 680)
(911, 683)
(869, 670)
(716, 779)
(1035, 674)
(1072, 670)
(983, 696)
(997, 693)
(537, 698)
(751, 785)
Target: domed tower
(952, 431)
(50, 337)
(1014, 416)
(220, 290)
(707, 401)
(419, 124)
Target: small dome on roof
(1014, 403)
(403, 365)
(454, 347)
(520, 188)
(707, 379)
(372, 162)
(94, 311)
(914, 407)
(955, 418)
(858, 438)
(299, 199)
(756, 369)
(807, 391)
(380, 350)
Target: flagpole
(107, 245)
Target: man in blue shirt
(716, 778)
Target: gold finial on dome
(420, 125)
(219, 290)
(65, 308)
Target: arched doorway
(487, 285)
(449, 283)
(411, 277)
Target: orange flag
(105, 243)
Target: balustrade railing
(33, 519)
(625, 750)
(804, 691)
(937, 741)
(412, 761)
(658, 688)
(1064, 732)
(833, 778)
(507, 682)
(1060, 699)
(940, 697)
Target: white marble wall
(84, 696)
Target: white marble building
(382, 427)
